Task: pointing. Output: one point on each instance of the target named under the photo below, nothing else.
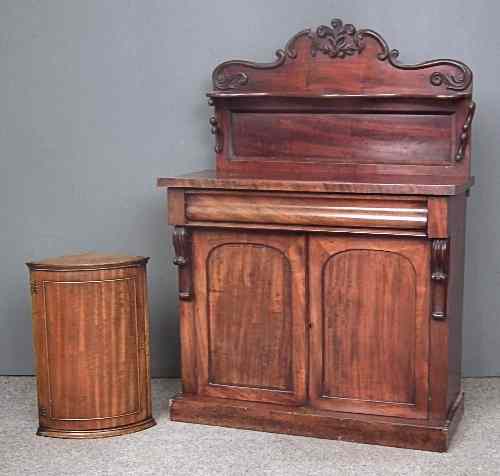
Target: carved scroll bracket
(464, 137)
(183, 258)
(217, 132)
(439, 277)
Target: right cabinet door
(370, 310)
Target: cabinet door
(369, 303)
(90, 337)
(249, 293)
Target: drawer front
(337, 211)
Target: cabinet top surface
(86, 260)
(298, 182)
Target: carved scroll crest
(341, 41)
(459, 81)
(223, 80)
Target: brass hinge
(34, 286)
(42, 411)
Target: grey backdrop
(100, 97)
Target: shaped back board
(337, 100)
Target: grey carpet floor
(172, 448)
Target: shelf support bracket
(464, 137)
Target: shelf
(315, 95)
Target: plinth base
(306, 421)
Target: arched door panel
(250, 315)
(370, 325)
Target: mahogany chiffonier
(91, 340)
(321, 263)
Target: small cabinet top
(85, 261)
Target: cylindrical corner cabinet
(91, 340)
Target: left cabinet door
(250, 313)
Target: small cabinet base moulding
(321, 263)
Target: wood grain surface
(332, 211)
(370, 321)
(295, 179)
(251, 316)
(355, 137)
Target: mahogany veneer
(321, 263)
(91, 340)
(311, 181)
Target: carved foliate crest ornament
(337, 41)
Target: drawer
(331, 211)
